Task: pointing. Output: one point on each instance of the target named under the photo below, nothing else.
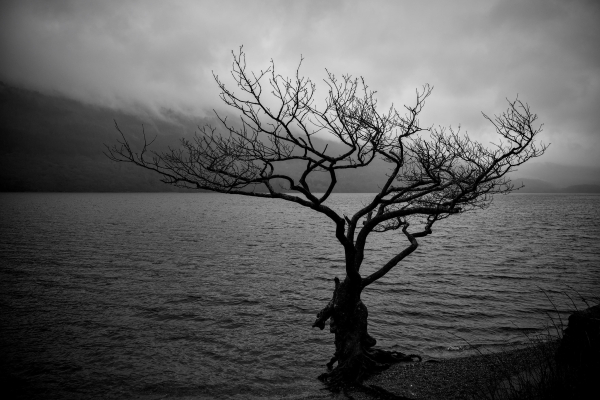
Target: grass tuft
(542, 376)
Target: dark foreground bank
(504, 375)
(467, 377)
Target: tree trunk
(349, 325)
(356, 359)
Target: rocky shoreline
(557, 368)
(471, 377)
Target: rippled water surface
(211, 296)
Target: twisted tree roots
(355, 356)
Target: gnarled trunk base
(354, 353)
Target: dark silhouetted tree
(434, 173)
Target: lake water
(192, 295)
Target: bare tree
(434, 173)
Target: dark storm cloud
(155, 55)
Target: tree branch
(434, 172)
(403, 254)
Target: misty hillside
(50, 143)
(534, 186)
(55, 144)
(540, 186)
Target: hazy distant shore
(540, 186)
(54, 144)
(575, 189)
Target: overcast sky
(152, 55)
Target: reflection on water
(205, 295)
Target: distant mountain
(534, 186)
(540, 186)
(558, 175)
(51, 143)
(582, 189)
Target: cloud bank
(157, 56)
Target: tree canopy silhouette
(434, 173)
